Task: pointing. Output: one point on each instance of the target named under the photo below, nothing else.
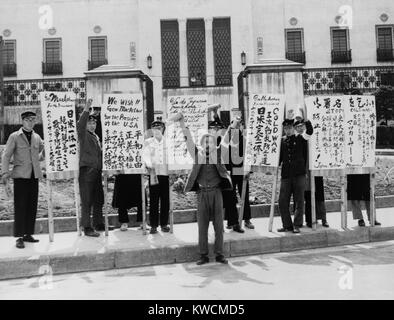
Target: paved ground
(363, 271)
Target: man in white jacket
(155, 161)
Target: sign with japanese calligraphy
(60, 133)
(360, 128)
(327, 143)
(264, 129)
(122, 124)
(194, 109)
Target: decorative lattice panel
(170, 53)
(196, 52)
(221, 33)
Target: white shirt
(154, 156)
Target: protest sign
(360, 129)
(194, 109)
(123, 132)
(264, 129)
(60, 133)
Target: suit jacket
(200, 158)
(89, 145)
(27, 156)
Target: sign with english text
(60, 132)
(122, 121)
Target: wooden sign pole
(273, 196)
(343, 201)
(313, 201)
(50, 210)
(144, 232)
(77, 202)
(106, 207)
(372, 213)
(171, 200)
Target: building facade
(193, 46)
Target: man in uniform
(27, 149)
(293, 158)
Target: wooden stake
(313, 201)
(372, 213)
(343, 180)
(171, 208)
(106, 203)
(77, 203)
(144, 232)
(50, 211)
(273, 196)
(243, 196)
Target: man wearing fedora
(293, 159)
(27, 149)
(159, 189)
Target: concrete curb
(22, 267)
(68, 224)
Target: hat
(157, 123)
(92, 117)
(301, 121)
(28, 114)
(215, 124)
(288, 122)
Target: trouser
(92, 196)
(25, 206)
(356, 209)
(159, 192)
(123, 215)
(210, 207)
(230, 201)
(292, 186)
(320, 208)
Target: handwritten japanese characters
(123, 132)
(360, 128)
(194, 109)
(264, 129)
(344, 131)
(328, 140)
(60, 133)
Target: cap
(157, 123)
(288, 122)
(301, 121)
(28, 114)
(92, 117)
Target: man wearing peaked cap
(27, 149)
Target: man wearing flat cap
(154, 155)
(27, 149)
(293, 158)
(90, 172)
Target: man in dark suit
(208, 178)
(27, 149)
(293, 158)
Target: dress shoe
(249, 224)
(296, 230)
(377, 223)
(221, 259)
(153, 230)
(237, 228)
(29, 238)
(101, 227)
(165, 228)
(202, 260)
(361, 223)
(325, 224)
(229, 227)
(124, 227)
(285, 230)
(89, 232)
(19, 243)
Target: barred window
(339, 39)
(195, 30)
(170, 53)
(385, 38)
(294, 41)
(98, 49)
(52, 51)
(9, 49)
(221, 33)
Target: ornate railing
(52, 68)
(341, 56)
(296, 56)
(385, 54)
(9, 69)
(27, 92)
(339, 80)
(92, 64)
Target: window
(384, 43)
(195, 34)
(52, 57)
(221, 34)
(340, 46)
(9, 58)
(97, 52)
(294, 45)
(170, 53)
